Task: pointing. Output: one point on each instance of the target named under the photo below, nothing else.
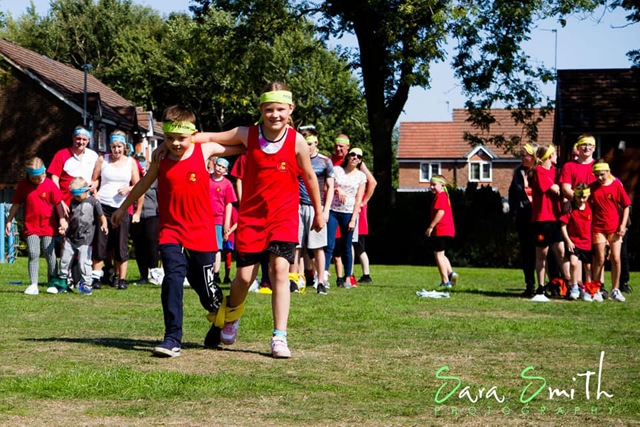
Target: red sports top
(545, 206)
(270, 195)
(40, 217)
(579, 226)
(444, 227)
(184, 208)
(605, 201)
(574, 173)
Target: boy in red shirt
(442, 230)
(185, 216)
(610, 205)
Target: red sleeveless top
(270, 194)
(184, 208)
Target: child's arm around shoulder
(223, 144)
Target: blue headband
(223, 162)
(82, 131)
(117, 138)
(36, 171)
(79, 191)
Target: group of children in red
(577, 215)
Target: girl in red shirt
(545, 211)
(41, 199)
(442, 230)
(268, 214)
(610, 204)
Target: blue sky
(599, 41)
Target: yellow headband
(280, 96)
(529, 149)
(550, 151)
(599, 167)
(342, 141)
(438, 180)
(586, 140)
(179, 127)
(311, 139)
(586, 192)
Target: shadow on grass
(507, 293)
(137, 345)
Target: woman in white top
(349, 184)
(118, 173)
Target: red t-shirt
(238, 167)
(270, 195)
(184, 209)
(67, 166)
(579, 226)
(544, 205)
(363, 220)
(40, 218)
(574, 173)
(444, 227)
(221, 193)
(605, 201)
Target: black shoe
(529, 291)
(167, 348)
(95, 284)
(625, 287)
(122, 284)
(212, 340)
(365, 279)
(227, 280)
(604, 293)
(293, 287)
(216, 278)
(340, 282)
(322, 289)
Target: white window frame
(431, 166)
(481, 165)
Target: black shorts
(440, 243)
(582, 254)
(286, 250)
(546, 233)
(116, 242)
(359, 246)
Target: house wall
(32, 123)
(502, 172)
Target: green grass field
(377, 355)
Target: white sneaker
(302, 283)
(617, 295)
(52, 290)
(255, 286)
(575, 292)
(587, 297)
(597, 297)
(156, 275)
(32, 289)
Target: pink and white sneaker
(229, 333)
(279, 348)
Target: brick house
(429, 148)
(41, 101)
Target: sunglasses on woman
(355, 155)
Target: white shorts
(306, 236)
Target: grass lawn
(377, 355)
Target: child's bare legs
(541, 264)
(614, 258)
(241, 283)
(587, 272)
(576, 269)
(444, 266)
(216, 263)
(558, 252)
(598, 261)
(281, 297)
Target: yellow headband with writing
(311, 139)
(600, 167)
(528, 148)
(550, 151)
(280, 96)
(585, 192)
(178, 127)
(342, 141)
